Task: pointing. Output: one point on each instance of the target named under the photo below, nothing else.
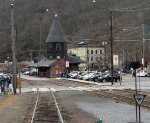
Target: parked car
(26, 73)
(148, 74)
(88, 75)
(95, 76)
(74, 74)
(106, 77)
(142, 73)
(81, 75)
(2, 79)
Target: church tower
(56, 45)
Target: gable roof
(43, 63)
(47, 63)
(74, 59)
(56, 33)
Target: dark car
(106, 77)
(2, 79)
(80, 75)
(148, 74)
(95, 76)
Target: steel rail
(35, 107)
(57, 107)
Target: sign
(115, 59)
(139, 98)
(67, 63)
(142, 60)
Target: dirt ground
(18, 109)
(13, 108)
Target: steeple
(56, 33)
(56, 44)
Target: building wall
(58, 68)
(55, 50)
(93, 53)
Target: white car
(26, 73)
(142, 73)
(88, 75)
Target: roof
(43, 63)
(74, 59)
(85, 46)
(47, 63)
(56, 33)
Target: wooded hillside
(80, 19)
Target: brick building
(56, 53)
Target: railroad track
(46, 109)
(124, 96)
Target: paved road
(127, 82)
(108, 110)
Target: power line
(124, 40)
(130, 10)
(139, 5)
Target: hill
(80, 19)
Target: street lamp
(143, 60)
(111, 44)
(40, 47)
(104, 43)
(12, 37)
(13, 49)
(87, 53)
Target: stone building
(92, 54)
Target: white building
(91, 54)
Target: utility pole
(31, 54)
(143, 60)
(126, 59)
(111, 46)
(19, 70)
(136, 94)
(13, 49)
(40, 40)
(104, 44)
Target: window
(50, 57)
(91, 58)
(95, 51)
(58, 46)
(87, 58)
(50, 46)
(87, 51)
(91, 51)
(58, 57)
(100, 51)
